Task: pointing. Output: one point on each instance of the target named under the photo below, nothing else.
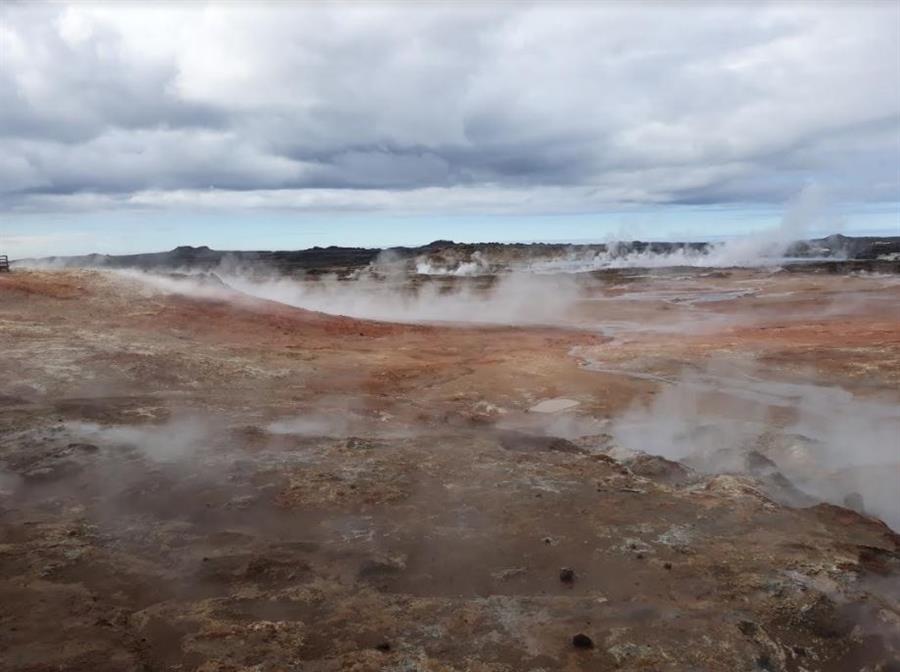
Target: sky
(129, 127)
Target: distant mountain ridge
(333, 259)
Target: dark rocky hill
(491, 256)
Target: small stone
(640, 556)
(749, 628)
(582, 641)
(567, 575)
(667, 565)
(383, 646)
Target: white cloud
(372, 106)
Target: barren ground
(226, 483)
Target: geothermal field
(452, 458)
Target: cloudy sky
(238, 125)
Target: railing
(4, 263)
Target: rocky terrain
(628, 470)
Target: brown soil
(235, 484)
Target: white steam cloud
(830, 443)
(516, 298)
(181, 438)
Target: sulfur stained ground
(225, 483)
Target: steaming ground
(238, 472)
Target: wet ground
(688, 468)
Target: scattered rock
(521, 442)
(749, 628)
(384, 647)
(582, 641)
(660, 469)
(356, 443)
(567, 575)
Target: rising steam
(831, 444)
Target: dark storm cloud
(556, 107)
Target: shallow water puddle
(553, 405)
